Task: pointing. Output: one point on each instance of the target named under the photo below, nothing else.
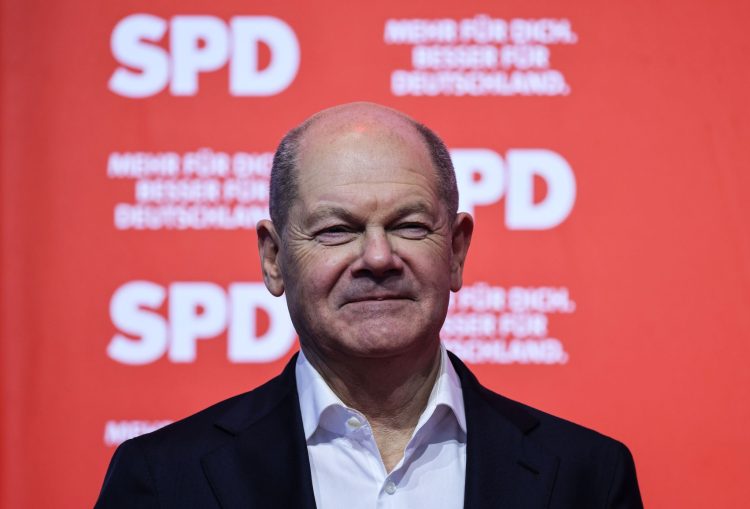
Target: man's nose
(378, 256)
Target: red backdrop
(602, 148)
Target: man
(366, 244)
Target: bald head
(347, 118)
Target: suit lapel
(265, 462)
(504, 469)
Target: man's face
(368, 255)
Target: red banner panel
(601, 148)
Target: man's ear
(269, 245)
(463, 226)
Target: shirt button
(390, 487)
(353, 422)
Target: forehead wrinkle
(370, 177)
(417, 207)
(325, 211)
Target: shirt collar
(315, 396)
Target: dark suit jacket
(249, 451)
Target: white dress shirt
(347, 469)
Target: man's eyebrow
(334, 211)
(418, 207)
(330, 211)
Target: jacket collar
(504, 468)
(265, 462)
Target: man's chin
(387, 345)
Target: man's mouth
(377, 298)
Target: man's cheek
(326, 266)
(428, 254)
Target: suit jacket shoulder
(250, 451)
(530, 458)
(241, 452)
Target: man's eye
(334, 235)
(412, 230)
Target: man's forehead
(350, 157)
(358, 129)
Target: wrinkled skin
(369, 253)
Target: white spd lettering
(202, 44)
(483, 178)
(196, 311)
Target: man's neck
(392, 392)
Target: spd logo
(484, 178)
(201, 44)
(197, 311)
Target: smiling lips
(375, 298)
(367, 298)
(361, 291)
